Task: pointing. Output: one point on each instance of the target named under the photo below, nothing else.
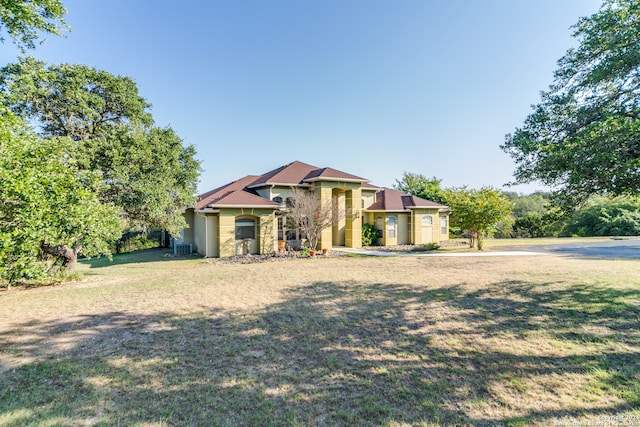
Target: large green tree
(421, 186)
(147, 170)
(583, 138)
(47, 203)
(25, 20)
(477, 211)
(72, 100)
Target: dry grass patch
(368, 341)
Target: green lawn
(149, 340)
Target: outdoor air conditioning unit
(182, 248)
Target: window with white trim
(391, 227)
(443, 225)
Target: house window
(280, 228)
(443, 225)
(427, 220)
(380, 225)
(245, 228)
(391, 227)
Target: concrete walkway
(436, 254)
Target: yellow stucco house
(246, 215)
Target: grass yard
(155, 341)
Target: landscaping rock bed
(257, 259)
(412, 248)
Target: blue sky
(370, 87)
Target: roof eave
(440, 208)
(387, 210)
(277, 184)
(320, 178)
(244, 206)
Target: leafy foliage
(582, 138)
(477, 211)
(24, 20)
(421, 186)
(148, 172)
(46, 201)
(72, 100)
(126, 170)
(370, 234)
(605, 217)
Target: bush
(370, 234)
(305, 252)
(606, 217)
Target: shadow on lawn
(135, 257)
(331, 354)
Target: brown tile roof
(244, 198)
(240, 193)
(290, 174)
(392, 200)
(297, 173)
(332, 174)
(233, 194)
(368, 186)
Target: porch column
(353, 232)
(326, 237)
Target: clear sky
(370, 87)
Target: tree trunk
(69, 256)
(480, 241)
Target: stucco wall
(368, 198)
(265, 238)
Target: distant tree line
(534, 215)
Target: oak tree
(145, 170)
(25, 20)
(583, 138)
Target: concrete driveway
(519, 252)
(625, 248)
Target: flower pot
(324, 251)
(312, 252)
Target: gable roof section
(290, 174)
(299, 173)
(331, 174)
(395, 201)
(233, 194)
